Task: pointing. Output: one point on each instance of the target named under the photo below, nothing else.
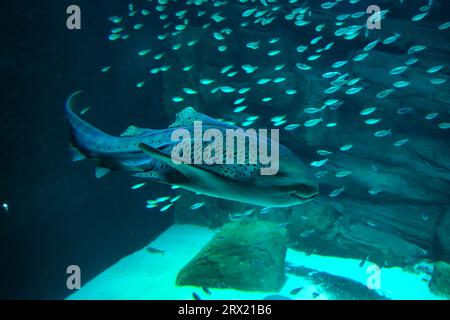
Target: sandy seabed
(148, 276)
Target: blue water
(366, 111)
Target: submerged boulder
(440, 279)
(335, 287)
(245, 255)
(358, 229)
(444, 236)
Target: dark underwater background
(60, 215)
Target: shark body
(147, 153)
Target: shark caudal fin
(84, 138)
(83, 135)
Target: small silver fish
(320, 174)
(166, 207)
(174, 199)
(162, 199)
(312, 122)
(370, 224)
(323, 152)
(336, 192)
(292, 126)
(352, 91)
(328, 75)
(431, 116)
(444, 26)
(339, 64)
(416, 48)
(346, 147)
(383, 133)
(372, 121)
(399, 143)
(384, 93)
(360, 57)
(319, 163)
(196, 206)
(371, 45)
(283, 225)
(265, 210)
(401, 84)
(404, 110)
(419, 16)
(306, 233)
(85, 110)
(367, 111)
(343, 173)
(435, 69)
(438, 81)
(139, 185)
(398, 70)
(391, 39)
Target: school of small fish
(214, 26)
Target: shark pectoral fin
(155, 153)
(190, 171)
(100, 172)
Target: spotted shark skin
(146, 153)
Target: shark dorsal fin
(187, 116)
(133, 131)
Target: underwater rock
(382, 247)
(356, 229)
(246, 255)
(316, 215)
(335, 287)
(311, 225)
(444, 235)
(345, 227)
(395, 197)
(440, 279)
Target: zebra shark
(147, 154)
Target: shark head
(292, 184)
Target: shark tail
(79, 126)
(83, 136)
